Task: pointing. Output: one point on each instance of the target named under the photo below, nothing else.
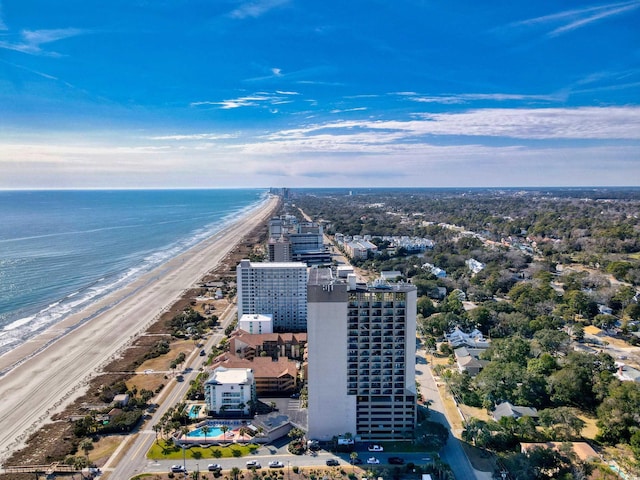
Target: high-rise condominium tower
(278, 289)
(361, 351)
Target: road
(266, 454)
(131, 457)
(452, 453)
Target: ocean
(61, 250)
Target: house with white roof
(475, 339)
(474, 265)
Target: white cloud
(471, 97)
(195, 137)
(32, 40)
(585, 123)
(258, 99)
(256, 8)
(356, 109)
(570, 20)
(306, 157)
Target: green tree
(476, 432)
(580, 380)
(551, 341)
(453, 304)
(561, 423)
(498, 382)
(425, 306)
(513, 349)
(86, 445)
(578, 332)
(619, 413)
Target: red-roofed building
(271, 376)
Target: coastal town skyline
(283, 92)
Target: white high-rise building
(361, 351)
(277, 289)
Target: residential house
(475, 339)
(507, 409)
(468, 360)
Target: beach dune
(42, 376)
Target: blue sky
(299, 93)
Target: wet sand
(42, 376)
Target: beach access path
(44, 375)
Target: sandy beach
(42, 376)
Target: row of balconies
(363, 374)
(363, 382)
(377, 316)
(372, 391)
(367, 304)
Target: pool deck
(231, 436)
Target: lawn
(164, 450)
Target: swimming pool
(194, 411)
(211, 433)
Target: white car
(253, 464)
(276, 464)
(376, 448)
(178, 469)
(214, 467)
(373, 461)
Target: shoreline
(40, 377)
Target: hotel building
(361, 353)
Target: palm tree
(234, 473)
(157, 428)
(205, 429)
(244, 431)
(353, 456)
(224, 429)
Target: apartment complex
(230, 390)
(278, 289)
(361, 354)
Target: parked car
(276, 464)
(214, 467)
(332, 462)
(178, 469)
(253, 464)
(373, 461)
(356, 461)
(376, 448)
(396, 460)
